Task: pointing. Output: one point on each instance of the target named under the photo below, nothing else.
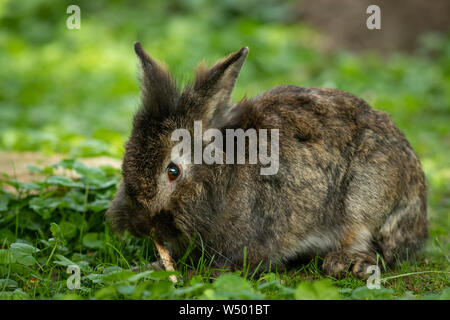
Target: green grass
(49, 225)
(75, 91)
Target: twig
(166, 260)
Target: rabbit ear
(216, 85)
(159, 90)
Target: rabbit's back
(348, 178)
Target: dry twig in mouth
(166, 260)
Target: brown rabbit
(348, 186)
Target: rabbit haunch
(348, 188)
(213, 153)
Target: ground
(57, 221)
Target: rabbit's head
(156, 186)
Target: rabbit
(349, 187)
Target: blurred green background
(75, 91)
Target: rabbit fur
(349, 186)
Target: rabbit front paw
(338, 263)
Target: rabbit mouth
(160, 225)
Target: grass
(49, 225)
(75, 91)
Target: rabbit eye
(173, 171)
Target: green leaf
(93, 177)
(96, 278)
(75, 200)
(156, 290)
(189, 290)
(231, 286)
(68, 229)
(65, 163)
(23, 247)
(118, 276)
(23, 186)
(19, 269)
(31, 221)
(106, 293)
(88, 172)
(63, 182)
(22, 253)
(98, 205)
(35, 169)
(317, 290)
(17, 294)
(126, 289)
(8, 283)
(63, 261)
(140, 275)
(92, 240)
(44, 206)
(7, 236)
(161, 274)
(56, 231)
(364, 293)
(445, 295)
